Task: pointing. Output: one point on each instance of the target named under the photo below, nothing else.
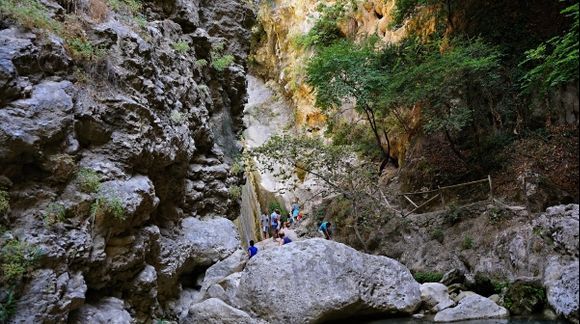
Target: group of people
(272, 226)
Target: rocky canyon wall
(115, 154)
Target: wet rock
(472, 307)
(435, 296)
(357, 283)
(215, 311)
(109, 310)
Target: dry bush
(98, 10)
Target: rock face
(324, 280)
(561, 281)
(116, 160)
(472, 307)
(215, 311)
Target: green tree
(346, 71)
(555, 62)
(337, 170)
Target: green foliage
(524, 298)
(358, 135)
(438, 235)
(467, 242)
(16, 260)
(325, 30)
(30, 14)
(180, 47)
(275, 205)
(554, 62)
(220, 63)
(452, 214)
(177, 117)
(109, 206)
(454, 85)
(4, 202)
(201, 63)
(237, 167)
(220, 60)
(89, 180)
(235, 192)
(127, 6)
(7, 306)
(55, 213)
(82, 49)
(422, 277)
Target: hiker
(325, 229)
(284, 239)
(295, 209)
(252, 250)
(265, 224)
(274, 220)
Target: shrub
(235, 192)
(222, 62)
(16, 260)
(237, 168)
(55, 213)
(467, 243)
(4, 202)
(29, 13)
(438, 235)
(129, 6)
(89, 180)
(180, 47)
(7, 306)
(201, 63)
(177, 117)
(109, 206)
(423, 277)
(81, 49)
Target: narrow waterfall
(265, 115)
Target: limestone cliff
(277, 56)
(118, 126)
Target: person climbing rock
(325, 229)
(295, 210)
(252, 250)
(284, 239)
(274, 220)
(265, 224)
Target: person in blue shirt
(252, 250)
(325, 229)
(284, 239)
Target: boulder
(215, 311)
(454, 276)
(324, 280)
(472, 307)
(560, 224)
(109, 310)
(220, 270)
(435, 296)
(197, 244)
(561, 282)
(226, 289)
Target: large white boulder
(435, 296)
(317, 280)
(472, 307)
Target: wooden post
(490, 188)
(442, 197)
